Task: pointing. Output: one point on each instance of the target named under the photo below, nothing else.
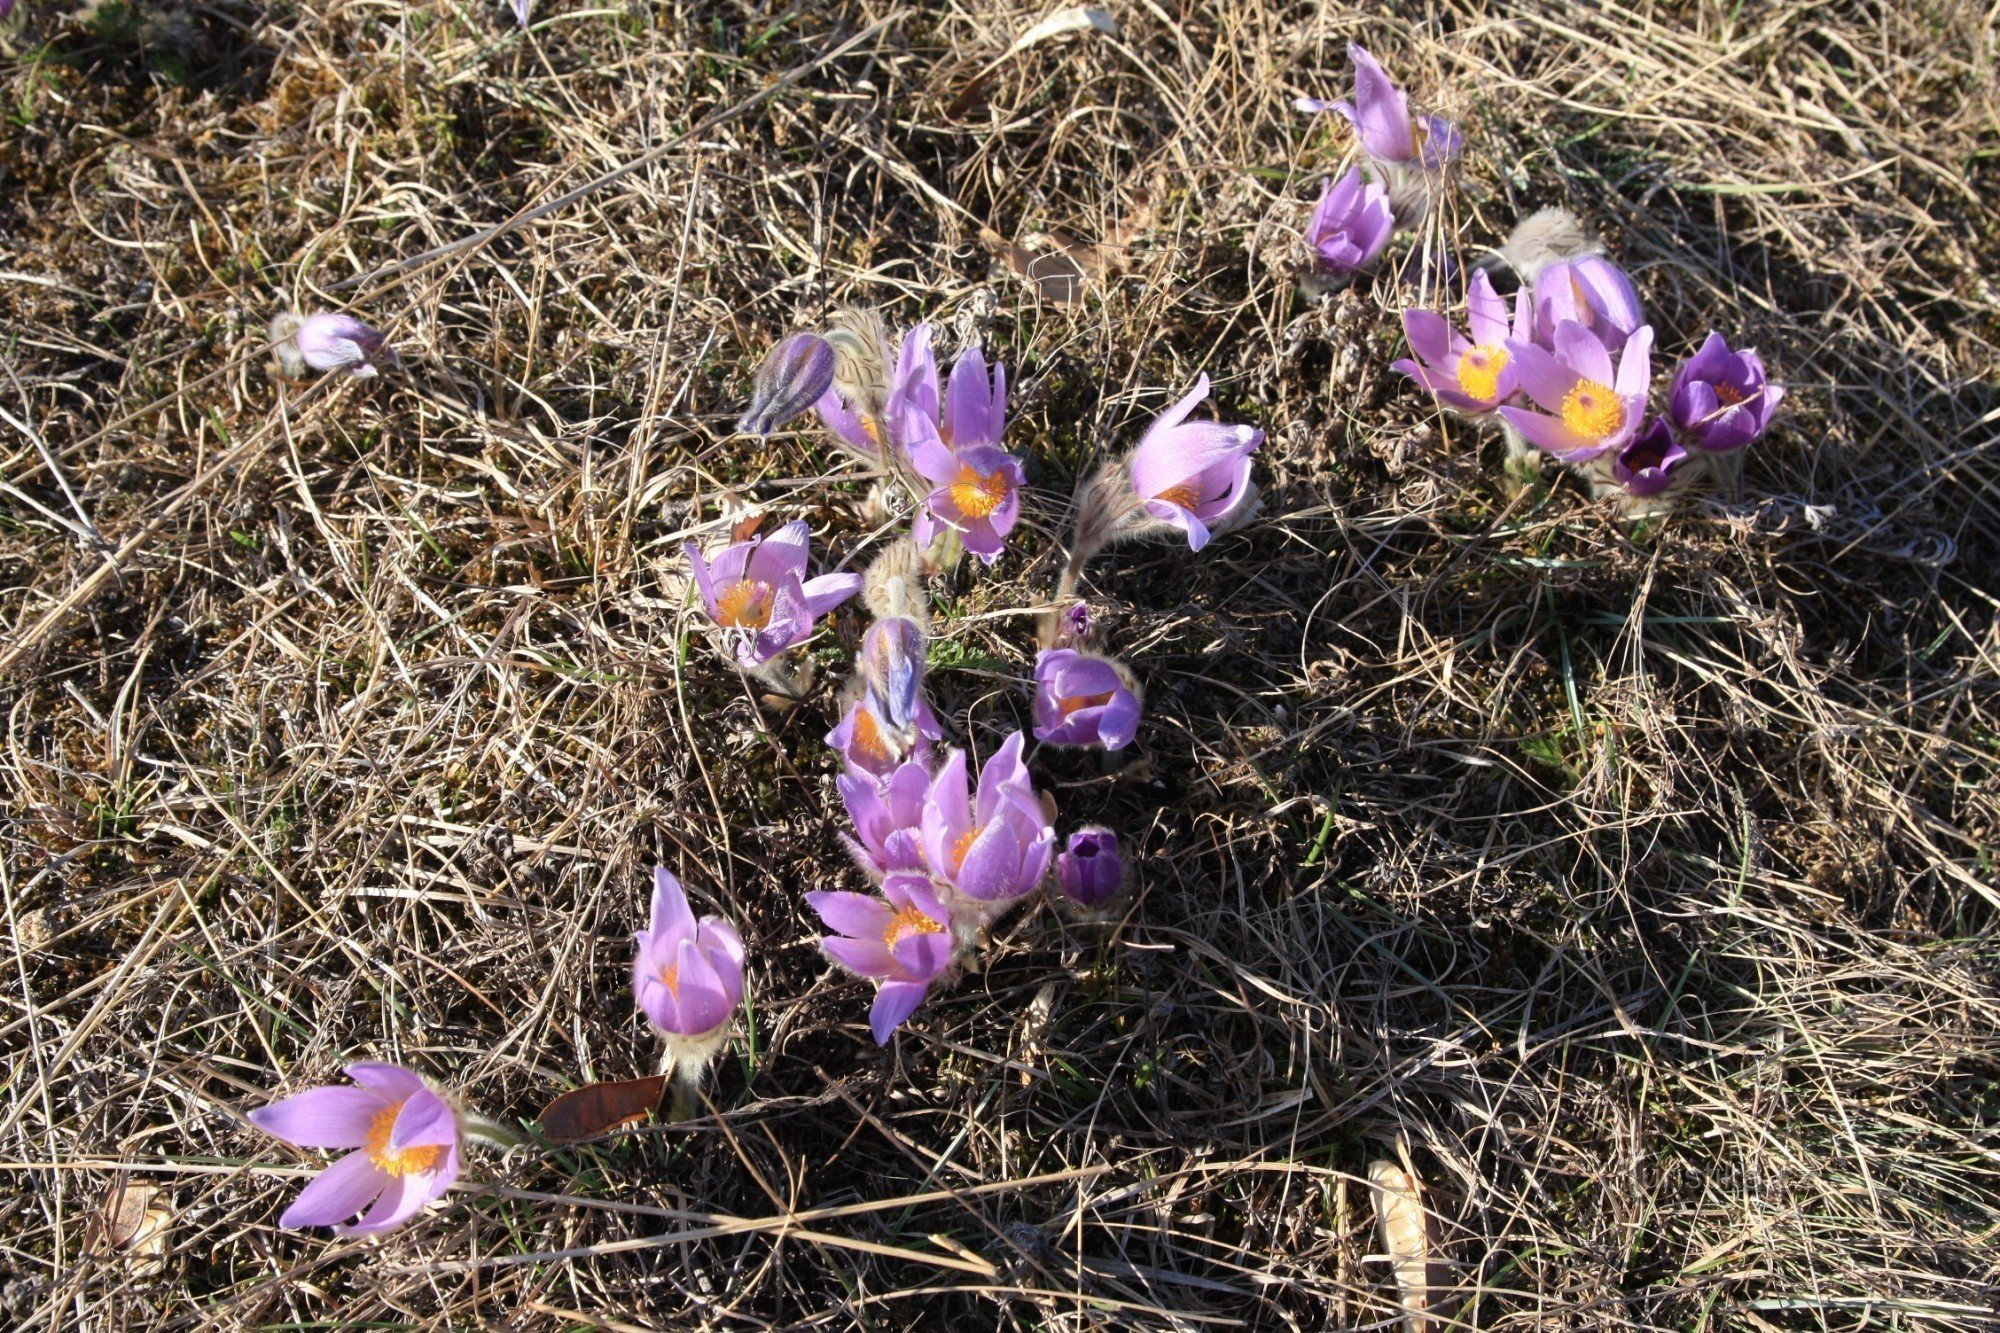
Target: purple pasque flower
(1592, 291)
(1193, 474)
(888, 817)
(1350, 224)
(1084, 699)
(522, 10)
(1646, 465)
(1380, 113)
(1595, 408)
(992, 846)
(867, 743)
(757, 594)
(1721, 400)
(1089, 869)
(892, 670)
(687, 974)
(1471, 375)
(902, 939)
(342, 342)
(975, 406)
(977, 490)
(406, 1148)
(797, 374)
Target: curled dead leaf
(1076, 18)
(598, 1108)
(135, 1221)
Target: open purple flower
(757, 594)
(1350, 224)
(687, 975)
(1380, 113)
(342, 342)
(1721, 400)
(995, 846)
(902, 940)
(1470, 375)
(1646, 465)
(869, 744)
(796, 374)
(1591, 291)
(975, 407)
(977, 491)
(1083, 699)
(888, 818)
(1595, 407)
(406, 1142)
(1193, 474)
(1089, 870)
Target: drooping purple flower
(1350, 224)
(1193, 474)
(977, 491)
(867, 743)
(888, 818)
(1083, 699)
(1721, 400)
(757, 594)
(892, 670)
(902, 939)
(1595, 408)
(975, 406)
(1089, 869)
(1646, 465)
(1380, 112)
(797, 374)
(994, 847)
(406, 1142)
(1591, 291)
(342, 342)
(687, 975)
(1471, 375)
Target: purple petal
(783, 554)
(864, 958)
(1381, 111)
(1119, 723)
(894, 1003)
(1485, 311)
(1579, 349)
(1541, 376)
(1192, 449)
(827, 591)
(394, 1082)
(337, 1193)
(1550, 434)
(322, 1117)
(858, 915)
(402, 1200)
(1430, 335)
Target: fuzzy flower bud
(796, 375)
(340, 342)
(1350, 224)
(1090, 870)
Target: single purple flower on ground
(1595, 408)
(1721, 400)
(992, 848)
(687, 975)
(1350, 224)
(1646, 465)
(1593, 292)
(406, 1137)
(342, 342)
(1193, 474)
(758, 597)
(1471, 375)
(1089, 869)
(902, 939)
(1083, 699)
(797, 374)
(977, 490)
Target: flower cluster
(1567, 373)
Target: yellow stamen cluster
(744, 605)
(868, 735)
(1478, 371)
(670, 977)
(1186, 495)
(1592, 410)
(1076, 703)
(906, 922)
(403, 1161)
(964, 845)
(977, 494)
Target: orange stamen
(398, 1162)
(1076, 703)
(744, 605)
(977, 494)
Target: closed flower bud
(337, 342)
(1089, 870)
(794, 377)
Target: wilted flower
(1350, 224)
(977, 492)
(892, 671)
(902, 939)
(1089, 870)
(796, 374)
(888, 818)
(687, 976)
(993, 848)
(1193, 474)
(1380, 112)
(406, 1137)
(1646, 465)
(868, 744)
(1596, 409)
(1591, 291)
(757, 596)
(1471, 375)
(337, 342)
(1720, 400)
(1083, 699)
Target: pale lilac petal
(1192, 449)
(894, 1003)
(828, 591)
(865, 958)
(783, 554)
(394, 1082)
(922, 954)
(1542, 377)
(1176, 414)
(402, 1198)
(991, 865)
(1635, 364)
(673, 919)
(1550, 434)
(1485, 311)
(337, 1193)
(1430, 336)
(705, 1005)
(1119, 723)
(426, 1120)
(1579, 349)
(859, 915)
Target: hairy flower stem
(493, 1133)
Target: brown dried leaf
(1054, 276)
(599, 1108)
(134, 1222)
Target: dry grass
(1636, 889)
